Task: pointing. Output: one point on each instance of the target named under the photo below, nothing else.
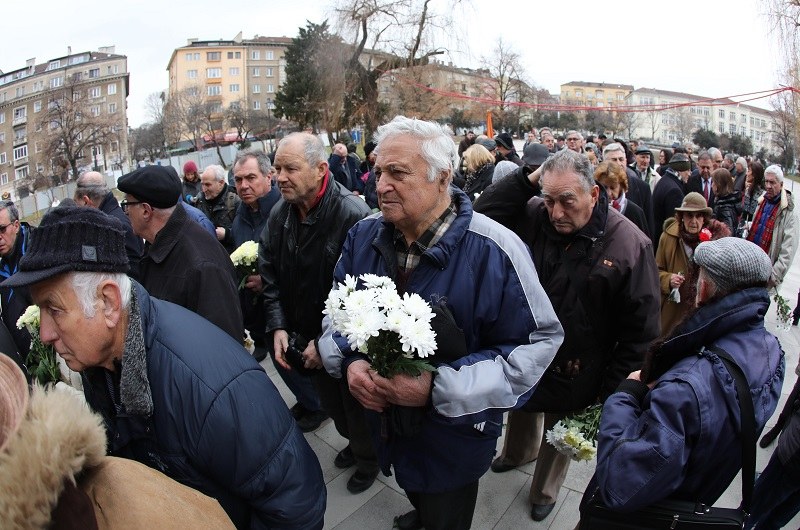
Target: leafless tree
(784, 137)
(182, 115)
(72, 125)
(246, 120)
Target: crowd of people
(579, 273)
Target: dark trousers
(348, 417)
(776, 497)
(449, 510)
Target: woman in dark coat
(615, 180)
(479, 164)
(753, 189)
(663, 159)
(727, 201)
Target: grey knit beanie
(732, 262)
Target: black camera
(294, 354)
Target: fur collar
(58, 438)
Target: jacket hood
(58, 438)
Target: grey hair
(13, 214)
(732, 158)
(85, 285)
(437, 149)
(706, 155)
(219, 172)
(776, 170)
(313, 148)
(86, 185)
(568, 161)
(713, 152)
(262, 159)
(612, 147)
(574, 132)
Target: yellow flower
(587, 451)
(573, 438)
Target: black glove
(451, 344)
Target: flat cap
(535, 154)
(505, 140)
(488, 143)
(154, 185)
(733, 263)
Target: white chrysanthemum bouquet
(42, 360)
(394, 332)
(576, 435)
(245, 260)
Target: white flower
(373, 281)
(417, 336)
(361, 326)
(414, 305)
(360, 302)
(30, 319)
(246, 255)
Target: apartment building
(599, 95)
(227, 71)
(688, 112)
(100, 79)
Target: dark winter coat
(221, 211)
(728, 209)
(134, 245)
(190, 402)
(667, 196)
(296, 258)
(14, 301)
(682, 438)
(608, 305)
(476, 182)
(639, 192)
(188, 267)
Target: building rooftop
(599, 85)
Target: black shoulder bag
(687, 515)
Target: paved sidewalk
(502, 498)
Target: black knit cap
(72, 239)
(154, 185)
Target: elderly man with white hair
(496, 329)
(219, 202)
(774, 227)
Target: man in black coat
(14, 241)
(638, 190)
(182, 263)
(669, 192)
(700, 180)
(92, 190)
(219, 202)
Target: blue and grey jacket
(486, 275)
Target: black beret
(72, 239)
(154, 185)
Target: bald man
(93, 191)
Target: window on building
(40, 168)
(113, 69)
(721, 114)
(256, 72)
(38, 86)
(256, 105)
(54, 64)
(3, 158)
(233, 71)
(270, 88)
(94, 72)
(233, 88)
(238, 55)
(112, 89)
(743, 118)
(2, 117)
(191, 74)
(2, 138)
(579, 93)
(255, 55)
(230, 55)
(112, 108)
(213, 56)
(269, 55)
(192, 91)
(94, 92)
(20, 152)
(37, 147)
(214, 90)
(20, 134)
(189, 56)
(196, 56)
(732, 116)
(256, 89)
(269, 72)
(213, 73)
(722, 126)
(4, 178)
(20, 91)
(732, 128)
(21, 173)
(20, 113)
(56, 82)
(114, 146)
(95, 110)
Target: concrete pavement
(502, 498)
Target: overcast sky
(699, 47)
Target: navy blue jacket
(215, 422)
(248, 224)
(681, 439)
(486, 275)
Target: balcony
(19, 120)
(21, 161)
(19, 140)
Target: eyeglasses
(3, 227)
(124, 204)
(572, 139)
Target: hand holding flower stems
(245, 259)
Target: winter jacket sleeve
(788, 247)
(252, 451)
(644, 445)
(637, 319)
(268, 268)
(216, 299)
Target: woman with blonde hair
(614, 179)
(479, 170)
